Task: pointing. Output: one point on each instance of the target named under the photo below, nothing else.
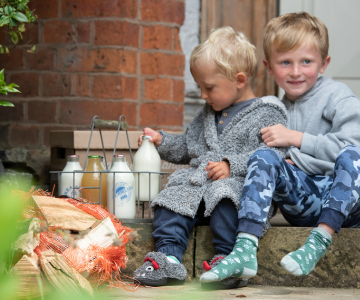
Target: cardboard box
(64, 143)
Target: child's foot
(240, 263)
(303, 261)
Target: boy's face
(296, 71)
(216, 90)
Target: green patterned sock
(303, 261)
(240, 263)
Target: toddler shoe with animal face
(157, 270)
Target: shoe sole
(160, 282)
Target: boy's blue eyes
(306, 61)
(286, 62)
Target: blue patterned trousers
(303, 200)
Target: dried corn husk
(62, 276)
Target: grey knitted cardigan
(200, 144)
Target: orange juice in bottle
(93, 180)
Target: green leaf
(4, 20)
(14, 37)
(7, 9)
(33, 48)
(1, 10)
(21, 27)
(6, 103)
(7, 50)
(13, 22)
(20, 35)
(1, 50)
(20, 17)
(2, 77)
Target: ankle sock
(172, 259)
(303, 261)
(240, 263)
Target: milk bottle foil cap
(146, 137)
(119, 155)
(73, 158)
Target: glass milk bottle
(123, 185)
(147, 159)
(93, 180)
(71, 182)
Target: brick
(178, 90)
(81, 112)
(56, 85)
(58, 32)
(99, 8)
(28, 84)
(31, 35)
(42, 111)
(115, 87)
(158, 89)
(159, 114)
(13, 114)
(82, 85)
(99, 60)
(12, 61)
(163, 11)
(45, 9)
(23, 135)
(116, 33)
(48, 129)
(41, 59)
(177, 41)
(162, 64)
(157, 37)
(83, 30)
(3, 37)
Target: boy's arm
(238, 162)
(173, 148)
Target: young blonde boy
(318, 184)
(217, 144)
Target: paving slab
(192, 290)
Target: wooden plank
(59, 213)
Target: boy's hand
(279, 136)
(289, 161)
(155, 137)
(218, 170)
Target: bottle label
(123, 191)
(73, 193)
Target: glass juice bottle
(93, 180)
(147, 159)
(70, 183)
(123, 186)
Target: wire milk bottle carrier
(117, 181)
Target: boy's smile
(296, 71)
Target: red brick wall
(98, 57)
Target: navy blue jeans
(172, 230)
(303, 200)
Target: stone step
(339, 268)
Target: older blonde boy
(217, 144)
(318, 184)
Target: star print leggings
(304, 200)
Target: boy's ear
(324, 64)
(268, 66)
(241, 80)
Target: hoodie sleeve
(345, 130)
(265, 118)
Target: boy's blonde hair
(289, 31)
(230, 51)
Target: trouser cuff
(332, 218)
(172, 250)
(250, 226)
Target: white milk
(124, 189)
(147, 159)
(67, 182)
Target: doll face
(216, 89)
(296, 71)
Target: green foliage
(4, 89)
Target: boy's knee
(268, 156)
(351, 152)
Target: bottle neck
(94, 164)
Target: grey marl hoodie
(200, 144)
(328, 114)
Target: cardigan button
(221, 122)
(225, 115)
